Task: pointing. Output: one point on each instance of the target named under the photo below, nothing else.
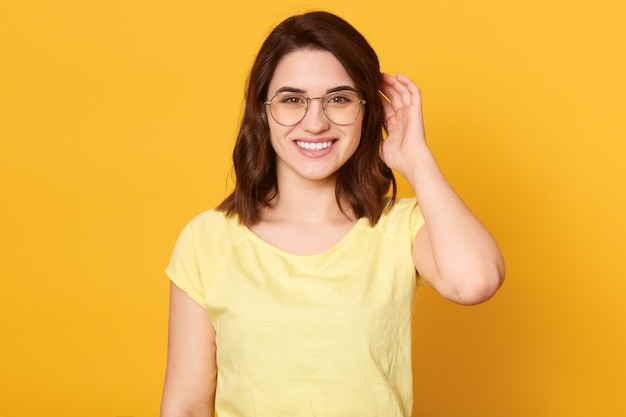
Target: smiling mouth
(310, 146)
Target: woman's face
(314, 148)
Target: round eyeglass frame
(308, 102)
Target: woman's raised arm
(453, 252)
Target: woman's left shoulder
(402, 215)
(400, 206)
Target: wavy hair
(364, 180)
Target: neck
(308, 202)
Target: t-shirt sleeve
(183, 269)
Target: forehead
(314, 71)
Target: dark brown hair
(364, 180)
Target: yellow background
(117, 120)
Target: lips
(314, 146)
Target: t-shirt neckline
(359, 224)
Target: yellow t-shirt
(321, 335)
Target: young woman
(294, 296)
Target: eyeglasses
(341, 108)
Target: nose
(315, 120)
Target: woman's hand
(405, 127)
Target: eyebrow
(287, 89)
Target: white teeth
(313, 146)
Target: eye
(292, 99)
(342, 97)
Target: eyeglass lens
(341, 108)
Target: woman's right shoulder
(210, 218)
(212, 221)
(200, 246)
(213, 227)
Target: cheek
(277, 134)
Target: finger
(412, 88)
(392, 93)
(388, 109)
(399, 87)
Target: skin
(314, 73)
(453, 252)
(191, 373)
